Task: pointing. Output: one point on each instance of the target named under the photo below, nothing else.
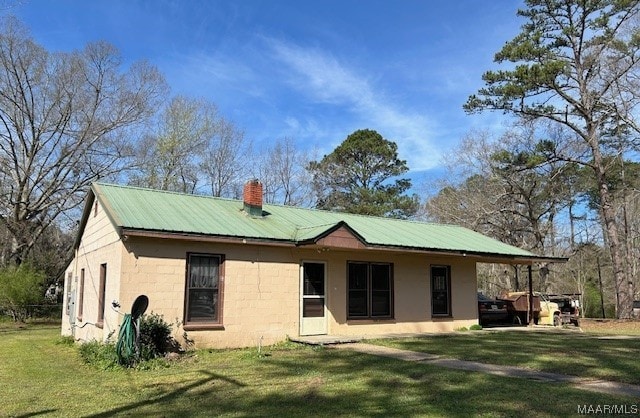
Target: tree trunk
(623, 286)
(581, 286)
(572, 237)
(628, 244)
(600, 287)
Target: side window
(81, 295)
(101, 294)
(203, 304)
(441, 290)
(68, 292)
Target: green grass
(42, 374)
(573, 353)
(611, 326)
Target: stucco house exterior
(238, 273)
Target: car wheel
(557, 321)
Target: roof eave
(88, 204)
(479, 256)
(125, 233)
(475, 255)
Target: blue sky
(314, 71)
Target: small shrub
(475, 327)
(153, 364)
(100, 355)
(66, 340)
(155, 340)
(20, 286)
(155, 336)
(462, 329)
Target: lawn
(44, 377)
(611, 326)
(589, 355)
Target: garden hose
(126, 346)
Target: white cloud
(220, 71)
(324, 79)
(253, 84)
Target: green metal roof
(132, 208)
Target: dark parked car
(491, 311)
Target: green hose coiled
(126, 349)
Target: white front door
(313, 300)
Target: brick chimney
(252, 196)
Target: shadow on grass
(566, 353)
(335, 383)
(35, 414)
(300, 381)
(171, 396)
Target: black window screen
(370, 290)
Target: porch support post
(530, 295)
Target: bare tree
(170, 158)
(66, 119)
(493, 188)
(505, 194)
(227, 157)
(194, 150)
(284, 175)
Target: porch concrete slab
(602, 386)
(325, 339)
